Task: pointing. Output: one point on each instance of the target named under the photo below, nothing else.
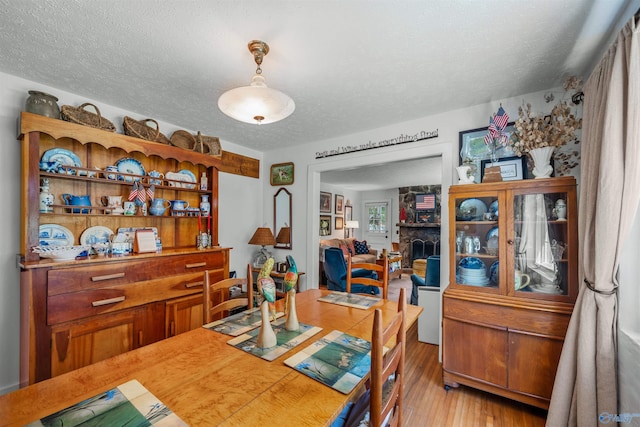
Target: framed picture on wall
(473, 149)
(339, 223)
(325, 202)
(325, 225)
(282, 174)
(511, 168)
(339, 204)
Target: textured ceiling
(349, 65)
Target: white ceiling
(349, 65)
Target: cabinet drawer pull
(196, 264)
(107, 277)
(108, 301)
(193, 284)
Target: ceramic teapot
(156, 174)
(158, 206)
(70, 199)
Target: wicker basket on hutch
(81, 116)
(140, 129)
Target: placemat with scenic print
(338, 360)
(128, 404)
(362, 302)
(286, 340)
(239, 323)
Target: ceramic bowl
(61, 253)
(472, 263)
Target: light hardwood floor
(427, 403)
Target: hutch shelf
(78, 312)
(513, 269)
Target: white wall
(240, 208)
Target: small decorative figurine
(290, 281)
(267, 288)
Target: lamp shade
(352, 224)
(284, 236)
(256, 103)
(263, 236)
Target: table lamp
(284, 236)
(263, 237)
(350, 225)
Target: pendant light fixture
(256, 103)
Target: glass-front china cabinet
(513, 284)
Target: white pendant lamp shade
(256, 103)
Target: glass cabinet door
(476, 241)
(540, 244)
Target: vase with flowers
(538, 135)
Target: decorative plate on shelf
(493, 208)
(493, 232)
(190, 175)
(97, 234)
(62, 156)
(471, 210)
(130, 166)
(55, 235)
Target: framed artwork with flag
(474, 149)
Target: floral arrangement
(553, 130)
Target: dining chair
(381, 403)
(221, 289)
(381, 280)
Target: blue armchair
(432, 277)
(335, 268)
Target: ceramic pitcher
(158, 206)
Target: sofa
(346, 245)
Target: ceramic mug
(521, 280)
(178, 205)
(70, 199)
(129, 208)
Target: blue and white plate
(190, 175)
(97, 234)
(130, 166)
(62, 156)
(55, 235)
(493, 208)
(493, 232)
(493, 273)
(472, 210)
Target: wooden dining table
(207, 382)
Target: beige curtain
(586, 382)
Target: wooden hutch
(74, 313)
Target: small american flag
(425, 201)
(495, 132)
(151, 191)
(134, 192)
(142, 193)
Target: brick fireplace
(418, 239)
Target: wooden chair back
(381, 270)
(395, 246)
(220, 290)
(383, 366)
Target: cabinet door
(543, 243)
(183, 314)
(475, 240)
(81, 343)
(476, 351)
(533, 361)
